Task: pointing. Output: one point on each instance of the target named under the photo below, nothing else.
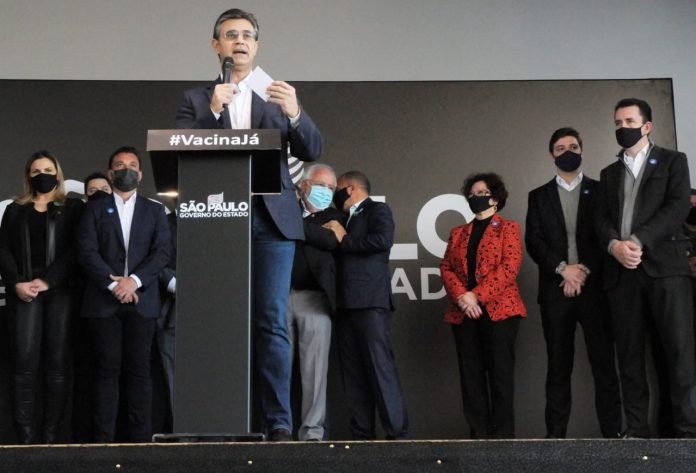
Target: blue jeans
(272, 269)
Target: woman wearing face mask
(479, 272)
(36, 264)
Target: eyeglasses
(247, 35)
(480, 194)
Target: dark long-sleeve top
(16, 241)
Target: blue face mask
(320, 197)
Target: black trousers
(486, 357)
(41, 329)
(123, 343)
(667, 301)
(370, 377)
(559, 319)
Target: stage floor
(536, 456)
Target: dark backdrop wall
(416, 141)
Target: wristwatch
(561, 266)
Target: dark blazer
(101, 252)
(317, 250)
(662, 205)
(168, 311)
(547, 239)
(305, 144)
(15, 251)
(363, 258)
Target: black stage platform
(537, 456)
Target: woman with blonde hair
(36, 265)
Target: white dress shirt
(635, 164)
(125, 210)
(240, 107)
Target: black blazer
(317, 250)
(662, 205)
(546, 236)
(101, 252)
(305, 144)
(15, 251)
(168, 310)
(363, 258)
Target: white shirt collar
(635, 164)
(573, 184)
(305, 210)
(354, 207)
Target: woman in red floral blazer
(479, 271)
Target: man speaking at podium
(276, 220)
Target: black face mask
(691, 219)
(568, 161)
(627, 137)
(125, 180)
(479, 203)
(44, 183)
(99, 195)
(340, 197)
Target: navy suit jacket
(547, 238)
(305, 144)
(363, 263)
(661, 207)
(101, 252)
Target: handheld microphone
(227, 67)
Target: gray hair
(232, 14)
(312, 168)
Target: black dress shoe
(280, 435)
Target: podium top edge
(174, 140)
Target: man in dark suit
(312, 298)
(560, 238)
(276, 219)
(370, 377)
(644, 199)
(123, 245)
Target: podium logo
(215, 140)
(214, 207)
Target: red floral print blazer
(498, 261)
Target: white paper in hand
(259, 81)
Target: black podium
(212, 172)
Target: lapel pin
(495, 223)
(653, 161)
(586, 191)
(110, 210)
